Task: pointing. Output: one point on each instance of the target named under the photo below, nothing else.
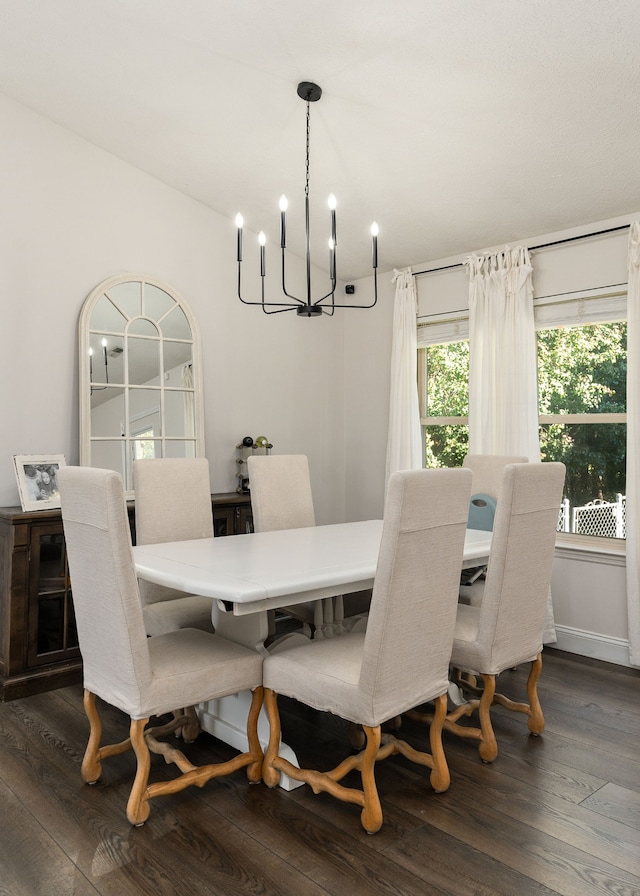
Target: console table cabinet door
(231, 514)
(52, 629)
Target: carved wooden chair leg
(138, 805)
(94, 753)
(532, 708)
(536, 717)
(466, 681)
(488, 747)
(191, 729)
(254, 768)
(378, 747)
(371, 815)
(91, 765)
(440, 777)
(270, 774)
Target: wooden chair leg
(94, 753)
(488, 747)
(531, 708)
(254, 768)
(377, 748)
(440, 777)
(270, 774)
(536, 718)
(191, 729)
(91, 765)
(371, 815)
(138, 805)
(144, 740)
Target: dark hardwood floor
(559, 814)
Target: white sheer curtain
(503, 383)
(503, 376)
(633, 443)
(404, 441)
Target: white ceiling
(457, 125)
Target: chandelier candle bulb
(262, 240)
(283, 221)
(239, 223)
(332, 207)
(374, 244)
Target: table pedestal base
(226, 719)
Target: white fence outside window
(604, 518)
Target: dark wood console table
(38, 640)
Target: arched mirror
(140, 376)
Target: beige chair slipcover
(141, 676)
(403, 657)
(487, 472)
(173, 503)
(506, 629)
(281, 498)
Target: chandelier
(307, 307)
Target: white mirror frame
(86, 380)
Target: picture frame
(37, 476)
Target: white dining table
(247, 575)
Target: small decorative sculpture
(248, 445)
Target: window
(443, 389)
(444, 402)
(582, 392)
(582, 369)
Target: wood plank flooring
(559, 814)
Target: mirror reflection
(140, 387)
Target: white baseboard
(598, 647)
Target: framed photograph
(37, 476)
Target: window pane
(583, 370)
(448, 380)
(446, 446)
(595, 455)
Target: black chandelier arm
(284, 288)
(300, 306)
(370, 305)
(282, 306)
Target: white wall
(589, 590)
(366, 396)
(71, 216)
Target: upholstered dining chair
(281, 498)
(141, 676)
(487, 472)
(173, 503)
(403, 656)
(506, 629)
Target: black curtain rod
(569, 239)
